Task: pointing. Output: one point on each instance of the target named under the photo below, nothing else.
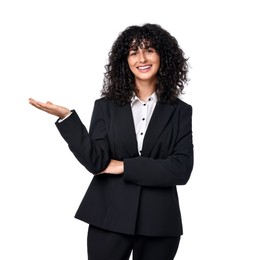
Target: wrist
(63, 117)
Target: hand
(114, 167)
(50, 108)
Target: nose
(142, 56)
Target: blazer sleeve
(90, 148)
(173, 170)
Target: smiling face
(144, 62)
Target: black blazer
(144, 199)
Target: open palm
(50, 108)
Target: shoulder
(102, 102)
(179, 105)
(184, 110)
(108, 103)
(182, 104)
(106, 106)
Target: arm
(90, 148)
(175, 169)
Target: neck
(145, 89)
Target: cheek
(158, 63)
(130, 63)
(158, 60)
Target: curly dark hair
(119, 81)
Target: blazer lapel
(159, 119)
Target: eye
(150, 50)
(132, 53)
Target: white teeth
(144, 67)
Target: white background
(56, 50)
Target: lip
(144, 68)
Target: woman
(139, 148)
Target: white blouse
(142, 112)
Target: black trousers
(105, 245)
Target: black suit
(144, 199)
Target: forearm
(175, 170)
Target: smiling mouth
(144, 68)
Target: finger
(35, 103)
(32, 101)
(39, 105)
(48, 105)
